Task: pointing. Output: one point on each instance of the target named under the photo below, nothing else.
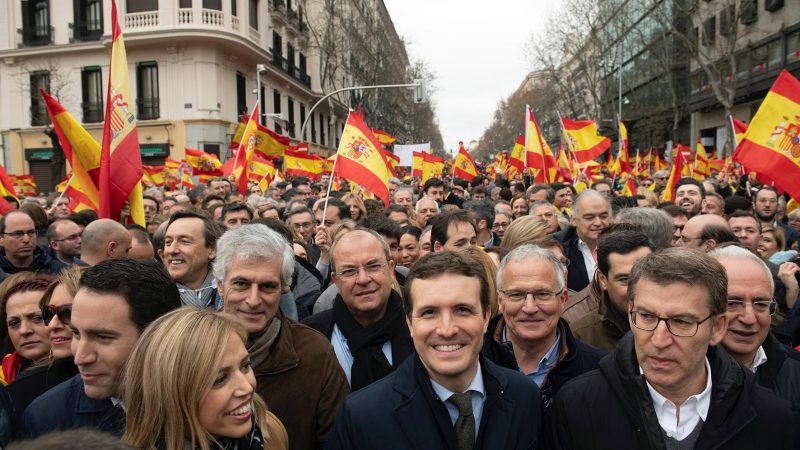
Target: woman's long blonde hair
(170, 371)
(359, 204)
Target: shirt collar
(759, 359)
(701, 403)
(475, 386)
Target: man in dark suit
(447, 396)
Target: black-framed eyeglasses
(678, 326)
(21, 234)
(71, 237)
(759, 306)
(63, 312)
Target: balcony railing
(36, 36)
(86, 31)
(192, 18)
(92, 112)
(290, 69)
(185, 16)
(148, 108)
(135, 21)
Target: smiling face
(26, 328)
(447, 326)
(519, 207)
(528, 321)
(103, 336)
(675, 366)
(58, 332)
(185, 253)
(747, 329)
(252, 291)
(593, 216)
(689, 199)
(409, 250)
(226, 409)
(768, 245)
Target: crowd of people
(481, 314)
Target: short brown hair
(435, 264)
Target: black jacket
(33, 382)
(66, 407)
(577, 277)
(611, 408)
(42, 262)
(402, 412)
(781, 373)
(574, 357)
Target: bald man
(104, 239)
(704, 232)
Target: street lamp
(260, 68)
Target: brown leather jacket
(303, 384)
(583, 303)
(602, 329)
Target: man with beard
(765, 205)
(689, 196)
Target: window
(709, 31)
(276, 105)
(241, 94)
(749, 11)
(727, 20)
(303, 120)
(793, 47)
(290, 58)
(92, 86)
(301, 63)
(234, 12)
(142, 6)
(36, 28)
(277, 46)
(88, 25)
(39, 79)
(184, 3)
(313, 130)
(214, 4)
(290, 111)
(147, 90)
(321, 129)
(254, 14)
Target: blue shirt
(344, 356)
(548, 361)
(476, 391)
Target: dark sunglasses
(64, 313)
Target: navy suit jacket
(401, 411)
(577, 276)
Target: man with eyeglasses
(65, 240)
(660, 178)
(302, 221)
(19, 251)
(668, 384)
(529, 335)
(366, 325)
(765, 206)
(750, 310)
(598, 314)
(500, 224)
(706, 231)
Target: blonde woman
(524, 230)
(357, 209)
(189, 385)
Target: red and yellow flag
(82, 153)
(204, 165)
(583, 140)
(739, 129)
(565, 166)
(359, 160)
(24, 184)
(464, 167)
(155, 175)
(771, 145)
(622, 165)
(392, 161)
(120, 160)
(701, 169)
(6, 185)
(303, 164)
(678, 163)
(426, 166)
(247, 145)
(516, 159)
(535, 154)
(384, 137)
(262, 172)
(268, 144)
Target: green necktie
(465, 424)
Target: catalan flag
(120, 160)
(583, 140)
(359, 160)
(464, 167)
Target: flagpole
(330, 181)
(569, 144)
(244, 132)
(66, 186)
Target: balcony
(86, 31)
(191, 18)
(142, 20)
(277, 11)
(290, 69)
(36, 36)
(147, 108)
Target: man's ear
(437, 246)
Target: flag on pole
(675, 174)
(771, 144)
(534, 143)
(464, 167)
(392, 161)
(24, 184)
(155, 175)
(739, 129)
(359, 160)
(383, 137)
(565, 167)
(516, 159)
(120, 160)
(268, 144)
(701, 169)
(303, 164)
(6, 190)
(582, 137)
(247, 145)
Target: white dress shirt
(692, 411)
(759, 359)
(588, 258)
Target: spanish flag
(83, 155)
(262, 172)
(565, 167)
(24, 184)
(268, 144)
(739, 129)
(155, 175)
(303, 164)
(203, 164)
(392, 161)
(359, 160)
(247, 145)
(623, 164)
(6, 189)
(675, 174)
(771, 145)
(464, 167)
(516, 159)
(534, 143)
(582, 137)
(701, 169)
(426, 166)
(383, 137)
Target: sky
(475, 49)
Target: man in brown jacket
(617, 251)
(295, 367)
